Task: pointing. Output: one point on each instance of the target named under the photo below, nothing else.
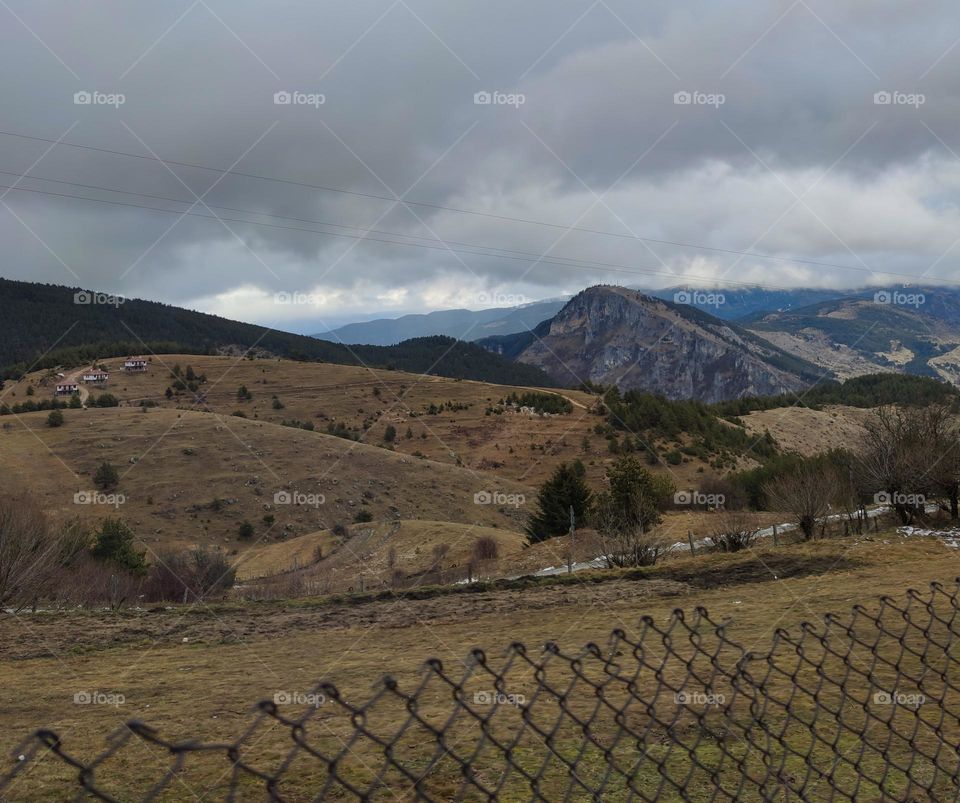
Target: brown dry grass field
(517, 446)
(195, 671)
(173, 464)
(178, 458)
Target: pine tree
(565, 489)
(114, 544)
(106, 477)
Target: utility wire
(446, 208)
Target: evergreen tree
(106, 477)
(565, 489)
(114, 543)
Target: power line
(443, 207)
(555, 259)
(639, 270)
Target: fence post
(693, 550)
(570, 545)
(776, 539)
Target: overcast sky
(784, 148)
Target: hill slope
(38, 317)
(191, 477)
(615, 336)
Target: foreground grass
(196, 672)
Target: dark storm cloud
(788, 152)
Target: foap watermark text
(499, 498)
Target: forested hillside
(42, 326)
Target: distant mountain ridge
(740, 303)
(903, 329)
(462, 324)
(43, 325)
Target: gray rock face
(612, 335)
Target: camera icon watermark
(686, 98)
(899, 498)
(498, 698)
(98, 498)
(85, 297)
(94, 98)
(298, 298)
(298, 499)
(502, 299)
(697, 498)
(898, 298)
(698, 698)
(485, 98)
(499, 498)
(914, 700)
(312, 699)
(295, 98)
(699, 298)
(895, 98)
(98, 698)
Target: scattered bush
(185, 576)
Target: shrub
(733, 532)
(196, 574)
(390, 434)
(55, 419)
(245, 531)
(363, 516)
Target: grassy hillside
(435, 418)
(192, 478)
(38, 318)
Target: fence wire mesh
(863, 707)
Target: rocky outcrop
(615, 336)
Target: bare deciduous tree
(804, 492)
(910, 454)
(485, 549)
(30, 552)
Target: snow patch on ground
(949, 537)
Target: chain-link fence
(862, 707)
